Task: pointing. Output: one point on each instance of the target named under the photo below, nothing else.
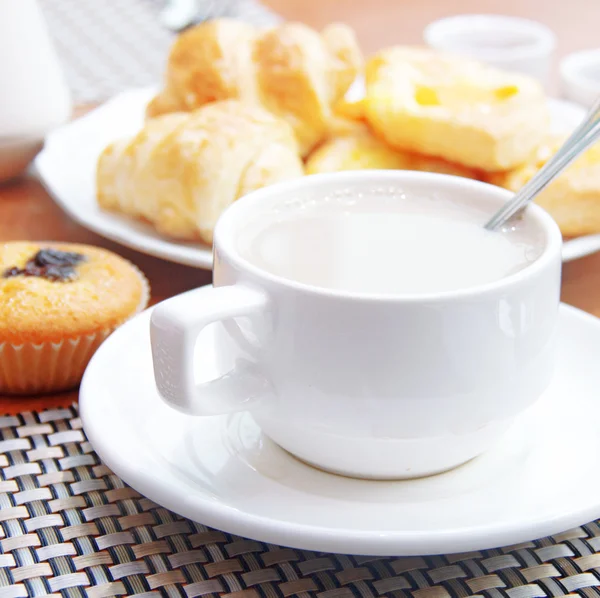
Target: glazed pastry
(182, 170)
(354, 147)
(58, 302)
(454, 108)
(292, 70)
(573, 198)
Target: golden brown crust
(301, 74)
(350, 109)
(182, 170)
(163, 103)
(294, 71)
(346, 58)
(107, 292)
(207, 63)
(355, 147)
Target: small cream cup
(580, 77)
(509, 43)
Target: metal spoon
(176, 15)
(581, 139)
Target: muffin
(58, 302)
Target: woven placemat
(69, 526)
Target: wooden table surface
(28, 213)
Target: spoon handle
(580, 140)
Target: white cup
(364, 385)
(34, 97)
(509, 43)
(580, 77)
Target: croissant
(182, 170)
(292, 70)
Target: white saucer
(222, 472)
(67, 165)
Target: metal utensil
(580, 140)
(176, 15)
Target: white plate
(222, 472)
(67, 165)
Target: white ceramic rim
(572, 69)
(225, 232)
(543, 39)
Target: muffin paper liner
(31, 368)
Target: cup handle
(174, 328)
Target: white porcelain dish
(580, 77)
(509, 43)
(35, 98)
(66, 166)
(222, 472)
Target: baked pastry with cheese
(572, 198)
(292, 70)
(182, 170)
(354, 147)
(432, 103)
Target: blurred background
(106, 47)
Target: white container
(580, 77)
(510, 43)
(365, 385)
(34, 97)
